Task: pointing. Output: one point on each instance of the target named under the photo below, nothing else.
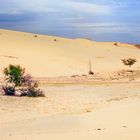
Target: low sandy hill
(138, 46)
(119, 44)
(50, 56)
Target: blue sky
(100, 20)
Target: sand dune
(104, 110)
(50, 56)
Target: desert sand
(77, 106)
(49, 56)
(108, 111)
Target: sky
(99, 20)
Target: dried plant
(90, 69)
(129, 61)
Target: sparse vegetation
(30, 87)
(90, 72)
(138, 46)
(9, 90)
(90, 69)
(35, 36)
(129, 61)
(18, 81)
(13, 74)
(116, 44)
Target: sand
(107, 111)
(49, 56)
(77, 106)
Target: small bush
(129, 61)
(35, 36)
(31, 87)
(116, 44)
(33, 92)
(13, 74)
(91, 73)
(9, 90)
(90, 69)
(22, 83)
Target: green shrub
(21, 82)
(91, 72)
(13, 74)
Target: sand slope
(49, 56)
(97, 125)
(97, 112)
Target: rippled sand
(100, 111)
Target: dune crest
(50, 56)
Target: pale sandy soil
(77, 106)
(100, 111)
(43, 56)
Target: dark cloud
(102, 20)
